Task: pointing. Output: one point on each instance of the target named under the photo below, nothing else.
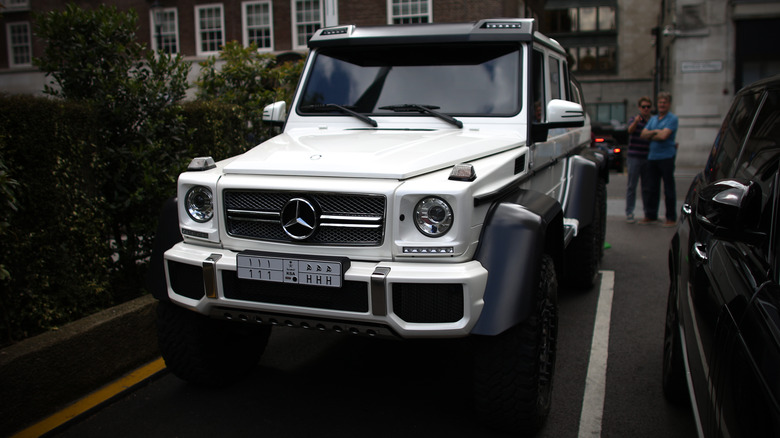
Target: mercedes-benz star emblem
(299, 218)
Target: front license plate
(289, 270)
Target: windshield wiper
(343, 109)
(427, 109)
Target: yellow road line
(93, 400)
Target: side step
(570, 227)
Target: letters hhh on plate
(286, 270)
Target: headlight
(433, 217)
(198, 204)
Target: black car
(722, 337)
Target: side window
(555, 78)
(759, 159)
(729, 141)
(576, 94)
(540, 101)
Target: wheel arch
(581, 195)
(517, 232)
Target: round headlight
(433, 216)
(198, 203)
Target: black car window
(729, 141)
(474, 79)
(538, 83)
(761, 154)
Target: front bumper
(417, 299)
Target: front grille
(343, 219)
(351, 297)
(428, 303)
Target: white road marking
(596, 381)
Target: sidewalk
(42, 375)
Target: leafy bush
(54, 248)
(250, 80)
(82, 176)
(93, 57)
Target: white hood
(367, 153)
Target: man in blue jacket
(661, 130)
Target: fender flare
(581, 197)
(168, 235)
(516, 234)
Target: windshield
(465, 80)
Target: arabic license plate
(289, 270)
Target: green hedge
(56, 256)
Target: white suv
(430, 181)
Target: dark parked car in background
(722, 337)
(607, 144)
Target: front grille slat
(345, 219)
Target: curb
(45, 373)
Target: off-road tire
(514, 370)
(205, 351)
(583, 256)
(674, 383)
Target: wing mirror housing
(275, 113)
(560, 114)
(730, 209)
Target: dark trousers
(657, 171)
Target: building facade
(197, 29)
(707, 51)
(702, 51)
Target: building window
(209, 29)
(165, 30)
(258, 24)
(591, 19)
(15, 5)
(307, 18)
(19, 45)
(409, 11)
(594, 59)
(590, 33)
(607, 113)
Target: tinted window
(733, 132)
(477, 79)
(538, 84)
(759, 160)
(555, 79)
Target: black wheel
(583, 256)
(205, 351)
(674, 384)
(514, 370)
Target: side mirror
(731, 209)
(560, 114)
(275, 113)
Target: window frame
(153, 26)
(245, 23)
(11, 46)
(15, 5)
(295, 24)
(199, 32)
(391, 17)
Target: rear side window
(540, 102)
(732, 133)
(555, 78)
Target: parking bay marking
(596, 381)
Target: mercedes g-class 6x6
(429, 181)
